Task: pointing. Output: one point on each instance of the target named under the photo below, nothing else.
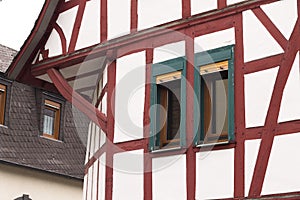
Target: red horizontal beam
(144, 39)
(77, 100)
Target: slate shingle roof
(6, 56)
(20, 139)
(21, 143)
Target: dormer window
(51, 119)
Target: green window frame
(159, 69)
(179, 64)
(203, 59)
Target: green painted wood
(208, 57)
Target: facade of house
(35, 163)
(187, 99)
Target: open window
(51, 119)
(214, 85)
(168, 105)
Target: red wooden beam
(148, 38)
(76, 26)
(69, 5)
(222, 4)
(186, 8)
(262, 64)
(134, 16)
(62, 38)
(103, 21)
(111, 83)
(239, 110)
(146, 127)
(282, 128)
(104, 90)
(78, 101)
(190, 155)
(273, 112)
(269, 25)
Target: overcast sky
(17, 18)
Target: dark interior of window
(169, 112)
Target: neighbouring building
(188, 99)
(42, 141)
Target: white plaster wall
(89, 32)
(155, 12)
(290, 109)
(169, 51)
(251, 152)
(118, 21)
(215, 174)
(283, 173)
(199, 6)
(128, 176)
(169, 177)
(66, 22)
(214, 40)
(54, 44)
(258, 91)
(101, 180)
(130, 94)
(258, 43)
(16, 181)
(284, 21)
(229, 2)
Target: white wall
(215, 174)
(130, 94)
(283, 173)
(128, 175)
(169, 177)
(16, 181)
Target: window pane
(48, 121)
(169, 116)
(215, 113)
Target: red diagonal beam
(273, 30)
(104, 90)
(77, 100)
(269, 130)
(77, 25)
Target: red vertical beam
(239, 109)
(134, 16)
(146, 121)
(190, 154)
(76, 26)
(186, 8)
(111, 83)
(269, 130)
(103, 21)
(222, 4)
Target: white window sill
(55, 140)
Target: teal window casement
(214, 89)
(213, 103)
(168, 105)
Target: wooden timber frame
(189, 28)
